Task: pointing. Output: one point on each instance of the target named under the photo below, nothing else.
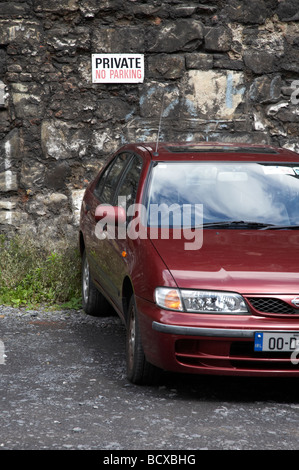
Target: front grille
(242, 355)
(272, 305)
(226, 357)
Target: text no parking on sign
(117, 68)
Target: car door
(103, 193)
(113, 258)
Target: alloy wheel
(85, 281)
(132, 337)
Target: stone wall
(228, 71)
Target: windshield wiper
(281, 227)
(248, 224)
(238, 223)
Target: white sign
(117, 68)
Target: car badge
(295, 302)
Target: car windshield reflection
(259, 195)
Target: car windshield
(232, 195)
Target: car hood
(249, 262)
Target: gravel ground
(63, 386)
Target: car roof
(211, 151)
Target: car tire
(93, 302)
(139, 370)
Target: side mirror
(111, 215)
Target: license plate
(278, 341)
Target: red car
(196, 247)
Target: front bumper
(197, 331)
(219, 345)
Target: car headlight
(198, 301)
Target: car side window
(127, 190)
(107, 184)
